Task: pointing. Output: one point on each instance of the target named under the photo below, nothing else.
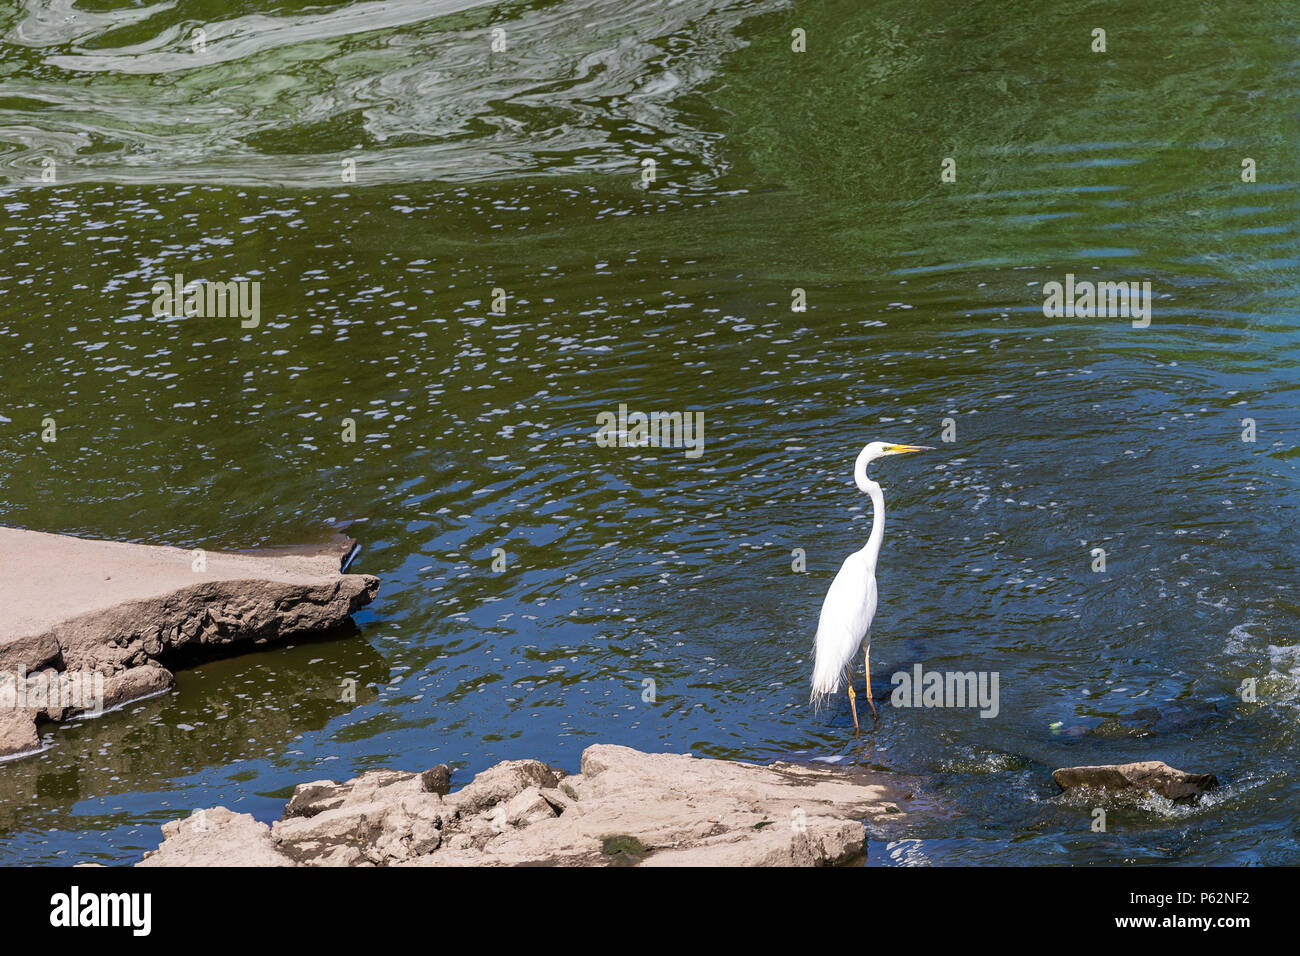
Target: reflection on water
(475, 429)
(454, 90)
(187, 747)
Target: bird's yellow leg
(867, 658)
(853, 703)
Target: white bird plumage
(850, 604)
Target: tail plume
(826, 676)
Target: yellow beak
(906, 449)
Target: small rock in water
(1152, 776)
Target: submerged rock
(625, 808)
(1150, 776)
(1168, 717)
(89, 625)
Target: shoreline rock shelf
(624, 808)
(76, 612)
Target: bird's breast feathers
(850, 602)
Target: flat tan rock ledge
(86, 625)
(624, 808)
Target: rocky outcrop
(1147, 776)
(624, 808)
(89, 625)
(218, 837)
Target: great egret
(845, 622)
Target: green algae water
(462, 250)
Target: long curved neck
(872, 547)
